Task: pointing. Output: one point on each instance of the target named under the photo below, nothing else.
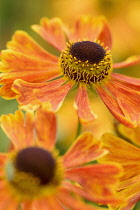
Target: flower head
(125, 151)
(34, 175)
(32, 75)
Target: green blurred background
(124, 20)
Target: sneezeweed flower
(35, 176)
(126, 152)
(33, 75)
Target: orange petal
(85, 27)
(18, 62)
(52, 31)
(130, 196)
(113, 107)
(128, 100)
(133, 134)
(54, 96)
(130, 201)
(126, 79)
(3, 157)
(23, 67)
(75, 203)
(8, 203)
(128, 153)
(19, 129)
(100, 192)
(6, 92)
(22, 42)
(28, 205)
(82, 106)
(83, 150)
(105, 35)
(130, 61)
(25, 90)
(99, 180)
(45, 123)
(48, 203)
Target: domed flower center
(38, 162)
(34, 171)
(86, 62)
(88, 51)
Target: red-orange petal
(85, 149)
(19, 129)
(22, 42)
(54, 96)
(99, 180)
(75, 203)
(52, 31)
(105, 35)
(113, 106)
(85, 27)
(48, 203)
(128, 101)
(82, 106)
(126, 79)
(45, 124)
(130, 61)
(25, 90)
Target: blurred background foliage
(124, 20)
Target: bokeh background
(124, 20)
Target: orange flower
(85, 62)
(127, 153)
(35, 176)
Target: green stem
(79, 128)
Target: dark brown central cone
(37, 161)
(88, 51)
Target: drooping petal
(75, 203)
(25, 90)
(19, 129)
(113, 106)
(82, 105)
(85, 27)
(126, 79)
(85, 149)
(130, 61)
(52, 31)
(77, 189)
(54, 96)
(22, 42)
(45, 123)
(128, 101)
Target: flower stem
(79, 128)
